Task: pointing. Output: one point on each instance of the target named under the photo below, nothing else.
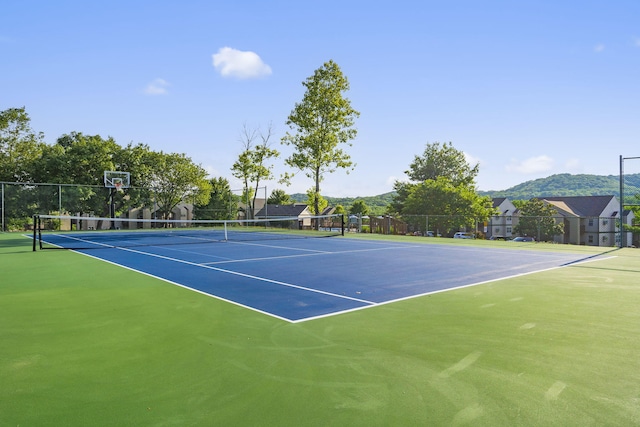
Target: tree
(315, 199)
(449, 206)
(359, 207)
(437, 160)
(322, 121)
(222, 202)
(442, 161)
(279, 197)
(175, 179)
(20, 146)
(80, 159)
(251, 165)
(442, 184)
(339, 210)
(536, 220)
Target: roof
(497, 201)
(581, 205)
(282, 210)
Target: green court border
(88, 343)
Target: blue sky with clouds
(527, 88)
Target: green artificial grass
(84, 342)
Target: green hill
(555, 185)
(377, 204)
(570, 185)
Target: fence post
(35, 227)
(2, 207)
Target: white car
(462, 235)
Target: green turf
(83, 342)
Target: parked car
(462, 235)
(524, 239)
(432, 234)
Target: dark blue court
(297, 280)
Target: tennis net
(82, 232)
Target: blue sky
(527, 88)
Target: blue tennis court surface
(297, 280)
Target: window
(605, 222)
(590, 222)
(590, 238)
(508, 230)
(509, 218)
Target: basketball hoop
(117, 180)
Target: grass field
(84, 342)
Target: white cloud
(598, 48)
(391, 180)
(530, 166)
(239, 64)
(471, 160)
(157, 87)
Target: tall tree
(80, 159)
(175, 179)
(20, 146)
(359, 207)
(279, 197)
(442, 160)
(222, 204)
(450, 207)
(251, 166)
(438, 161)
(315, 199)
(322, 121)
(536, 220)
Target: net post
(226, 237)
(35, 227)
(40, 232)
(342, 225)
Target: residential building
(297, 210)
(590, 220)
(500, 226)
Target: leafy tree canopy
(316, 201)
(252, 166)
(176, 178)
(452, 207)
(536, 220)
(20, 146)
(442, 160)
(322, 121)
(222, 202)
(279, 197)
(442, 183)
(359, 207)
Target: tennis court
(303, 279)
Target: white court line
(235, 273)
(370, 304)
(301, 255)
(236, 303)
(439, 291)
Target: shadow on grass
(626, 270)
(18, 242)
(579, 263)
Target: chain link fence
(591, 231)
(20, 201)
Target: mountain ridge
(558, 185)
